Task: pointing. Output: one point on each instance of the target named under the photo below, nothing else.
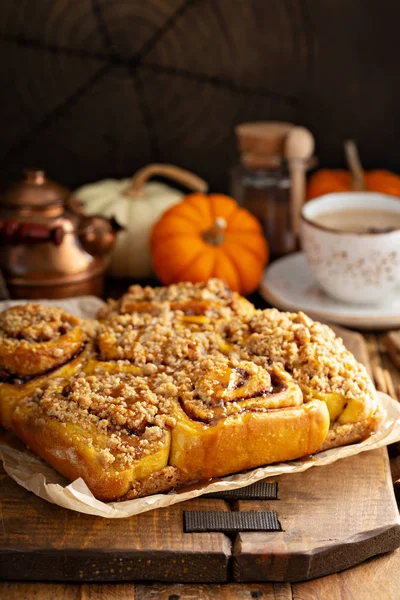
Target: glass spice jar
(265, 192)
(262, 182)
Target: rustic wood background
(101, 87)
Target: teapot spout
(98, 234)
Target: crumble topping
(130, 414)
(166, 340)
(35, 339)
(214, 290)
(309, 350)
(212, 298)
(35, 323)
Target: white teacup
(355, 267)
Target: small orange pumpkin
(326, 181)
(207, 236)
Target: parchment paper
(36, 476)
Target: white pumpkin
(137, 205)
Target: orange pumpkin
(207, 236)
(327, 181)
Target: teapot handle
(14, 232)
(182, 176)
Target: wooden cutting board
(332, 518)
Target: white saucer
(289, 284)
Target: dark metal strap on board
(260, 490)
(197, 521)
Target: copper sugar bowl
(48, 247)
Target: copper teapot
(48, 247)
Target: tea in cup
(351, 241)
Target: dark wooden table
(377, 578)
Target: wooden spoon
(299, 147)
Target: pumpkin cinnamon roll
(235, 415)
(111, 429)
(163, 341)
(35, 339)
(207, 301)
(319, 362)
(36, 344)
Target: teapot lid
(35, 190)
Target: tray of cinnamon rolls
(176, 385)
